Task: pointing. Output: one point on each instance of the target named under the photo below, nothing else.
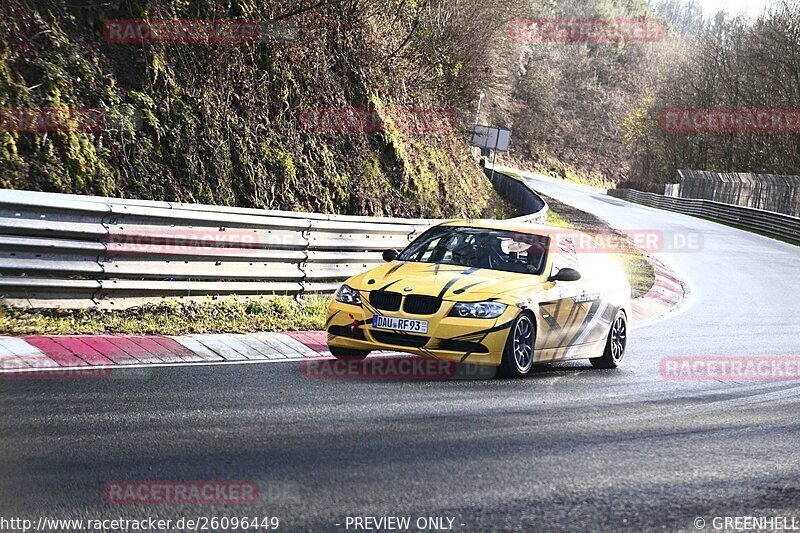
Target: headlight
(348, 295)
(479, 310)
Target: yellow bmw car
(494, 293)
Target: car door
(593, 300)
(559, 312)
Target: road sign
(491, 137)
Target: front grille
(399, 339)
(347, 331)
(462, 346)
(385, 300)
(421, 305)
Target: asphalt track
(569, 448)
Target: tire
(344, 353)
(518, 354)
(615, 345)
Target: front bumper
(470, 340)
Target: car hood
(446, 281)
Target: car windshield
(492, 249)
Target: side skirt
(589, 350)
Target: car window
(428, 253)
(564, 255)
(473, 247)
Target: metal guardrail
(767, 192)
(517, 191)
(78, 251)
(777, 224)
(70, 251)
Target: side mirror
(566, 274)
(390, 255)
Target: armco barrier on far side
(777, 224)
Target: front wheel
(615, 345)
(344, 353)
(518, 353)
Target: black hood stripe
(456, 279)
(395, 268)
(462, 290)
(389, 285)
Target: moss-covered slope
(221, 123)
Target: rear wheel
(344, 353)
(518, 354)
(615, 345)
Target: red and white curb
(667, 294)
(34, 353)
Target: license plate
(400, 324)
